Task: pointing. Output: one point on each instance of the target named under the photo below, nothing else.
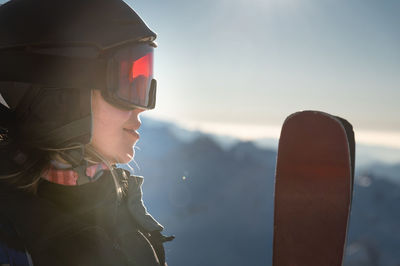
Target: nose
(134, 118)
(137, 111)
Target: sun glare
(251, 132)
(379, 138)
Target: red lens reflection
(143, 66)
(135, 80)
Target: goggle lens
(134, 85)
(135, 80)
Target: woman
(74, 76)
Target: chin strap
(75, 157)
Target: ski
(313, 190)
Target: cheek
(107, 131)
(107, 127)
(106, 123)
(107, 118)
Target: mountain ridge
(219, 202)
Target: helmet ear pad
(55, 117)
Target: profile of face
(114, 132)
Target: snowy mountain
(218, 201)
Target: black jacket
(78, 225)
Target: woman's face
(114, 129)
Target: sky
(237, 66)
(240, 67)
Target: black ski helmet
(47, 62)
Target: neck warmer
(63, 174)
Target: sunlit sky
(244, 65)
(241, 66)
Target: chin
(124, 160)
(126, 157)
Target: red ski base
(313, 189)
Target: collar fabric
(69, 177)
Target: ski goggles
(130, 83)
(123, 75)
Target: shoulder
(12, 247)
(35, 229)
(12, 250)
(126, 175)
(138, 179)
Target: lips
(130, 129)
(132, 132)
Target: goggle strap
(52, 70)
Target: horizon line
(255, 132)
